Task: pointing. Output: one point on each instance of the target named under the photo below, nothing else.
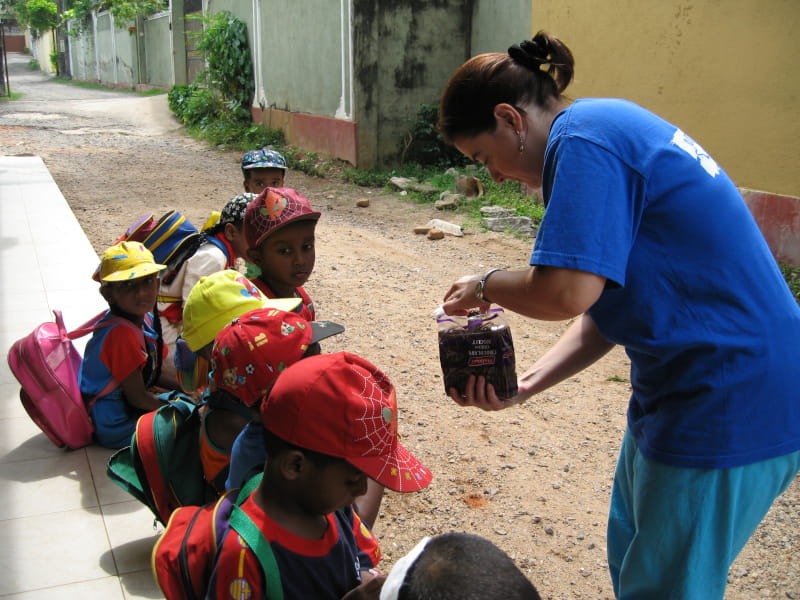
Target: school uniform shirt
(305, 309)
(694, 293)
(323, 569)
(209, 258)
(114, 352)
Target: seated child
(457, 566)
(279, 225)
(262, 169)
(212, 304)
(330, 425)
(224, 242)
(122, 361)
(267, 340)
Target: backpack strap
(93, 324)
(251, 534)
(243, 525)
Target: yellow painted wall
(727, 72)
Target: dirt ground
(535, 479)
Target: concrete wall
(403, 53)
(497, 25)
(158, 51)
(724, 71)
(83, 59)
(118, 60)
(40, 48)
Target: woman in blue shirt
(650, 245)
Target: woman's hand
(461, 296)
(480, 393)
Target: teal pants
(673, 532)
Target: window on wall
(191, 6)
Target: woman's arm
(580, 346)
(545, 293)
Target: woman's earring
(521, 142)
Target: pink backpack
(46, 364)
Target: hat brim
(284, 304)
(137, 272)
(400, 470)
(311, 216)
(265, 165)
(324, 329)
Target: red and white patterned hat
(341, 405)
(272, 209)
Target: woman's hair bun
(531, 53)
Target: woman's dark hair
(536, 70)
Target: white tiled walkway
(66, 531)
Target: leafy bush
(229, 67)
(423, 144)
(792, 276)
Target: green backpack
(162, 468)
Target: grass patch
(99, 86)
(12, 96)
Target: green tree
(40, 16)
(123, 11)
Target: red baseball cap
(250, 352)
(272, 209)
(341, 405)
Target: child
(262, 169)
(331, 424)
(457, 566)
(117, 353)
(212, 304)
(279, 225)
(248, 356)
(224, 243)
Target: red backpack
(183, 557)
(46, 364)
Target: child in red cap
(247, 356)
(279, 226)
(330, 425)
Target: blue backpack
(172, 240)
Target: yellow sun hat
(126, 260)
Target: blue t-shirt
(113, 353)
(248, 455)
(694, 293)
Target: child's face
(332, 486)
(135, 296)
(256, 180)
(286, 258)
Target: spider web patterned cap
(341, 405)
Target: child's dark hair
(276, 446)
(464, 566)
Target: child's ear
(254, 256)
(292, 464)
(230, 230)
